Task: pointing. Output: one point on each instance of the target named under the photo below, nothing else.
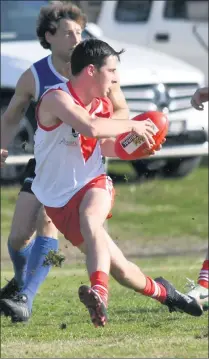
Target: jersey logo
(75, 133)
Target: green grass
(172, 208)
(149, 219)
(138, 327)
(156, 217)
(175, 208)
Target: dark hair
(91, 51)
(51, 14)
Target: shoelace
(190, 284)
(18, 297)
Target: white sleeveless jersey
(66, 160)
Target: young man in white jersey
(74, 130)
(201, 290)
(59, 29)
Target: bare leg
(94, 209)
(129, 275)
(123, 271)
(24, 220)
(44, 225)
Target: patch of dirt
(145, 248)
(135, 248)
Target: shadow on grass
(139, 310)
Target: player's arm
(120, 111)
(108, 148)
(18, 105)
(58, 105)
(199, 97)
(120, 107)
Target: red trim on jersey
(50, 128)
(73, 93)
(88, 144)
(46, 128)
(107, 110)
(94, 105)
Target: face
(105, 77)
(67, 36)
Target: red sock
(99, 282)
(203, 276)
(154, 290)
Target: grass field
(152, 222)
(138, 328)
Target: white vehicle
(150, 81)
(176, 27)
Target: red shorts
(66, 218)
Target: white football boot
(200, 293)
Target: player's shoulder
(28, 75)
(42, 61)
(26, 83)
(59, 89)
(53, 93)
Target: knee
(88, 224)
(19, 239)
(45, 226)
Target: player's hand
(145, 130)
(150, 152)
(199, 97)
(4, 155)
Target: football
(131, 146)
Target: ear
(90, 70)
(48, 37)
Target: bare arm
(120, 107)
(19, 103)
(108, 147)
(199, 97)
(57, 105)
(120, 111)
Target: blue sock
(36, 271)
(20, 259)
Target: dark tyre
(148, 169)
(181, 167)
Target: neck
(81, 90)
(64, 68)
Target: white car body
(177, 28)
